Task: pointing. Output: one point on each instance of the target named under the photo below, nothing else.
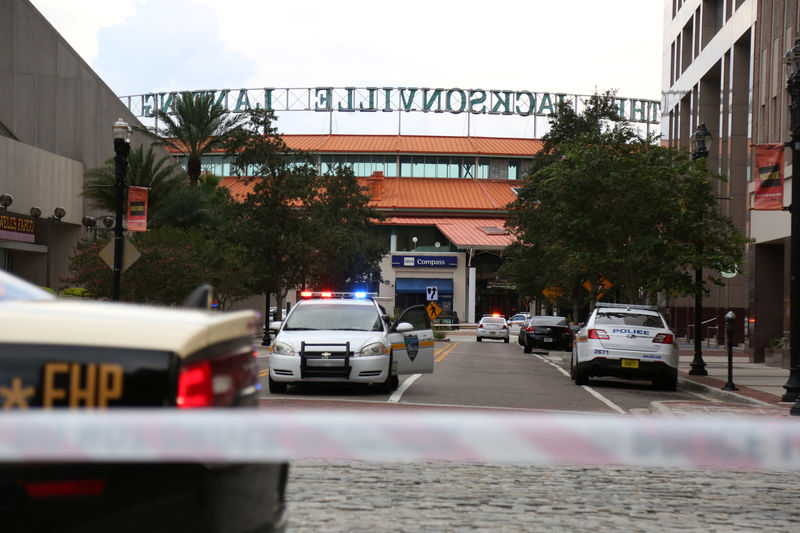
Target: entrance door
(412, 351)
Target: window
(405, 166)
(628, 319)
(417, 316)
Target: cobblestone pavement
(508, 498)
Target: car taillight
(64, 488)
(598, 334)
(505, 327)
(195, 388)
(663, 338)
(480, 326)
(529, 328)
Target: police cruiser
(626, 341)
(347, 337)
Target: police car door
(412, 350)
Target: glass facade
(392, 166)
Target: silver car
(626, 341)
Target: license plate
(630, 363)
(548, 339)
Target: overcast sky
(558, 46)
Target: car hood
(329, 338)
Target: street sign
(433, 310)
(433, 293)
(129, 254)
(553, 293)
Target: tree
(346, 247)
(159, 174)
(194, 126)
(300, 227)
(606, 205)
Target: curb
(718, 393)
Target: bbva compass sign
(389, 99)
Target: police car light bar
(328, 294)
(628, 306)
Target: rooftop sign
(389, 99)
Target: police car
(626, 341)
(348, 338)
(66, 354)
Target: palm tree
(194, 126)
(161, 176)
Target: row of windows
(418, 166)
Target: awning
(479, 233)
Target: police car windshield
(334, 317)
(628, 319)
(15, 289)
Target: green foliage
(607, 204)
(300, 228)
(75, 292)
(194, 125)
(161, 176)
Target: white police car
(347, 337)
(626, 341)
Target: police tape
(403, 435)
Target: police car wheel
(395, 384)
(667, 382)
(505, 340)
(276, 387)
(479, 339)
(581, 376)
(572, 366)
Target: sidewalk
(760, 386)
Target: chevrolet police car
(59, 353)
(347, 337)
(626, 341)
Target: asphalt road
(489, 374)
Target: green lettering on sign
(371, 107)
(531, 103)
(619, 103)
(502, 99)
(407, 104)
(427, 103)
(387, 91)
(166, 102)
(323, 99)
(477, 97)
(462, 96)
(546, 105)
(638, 110)
(350, 91)
(242, 101)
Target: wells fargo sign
(387, 99)
(16, 228)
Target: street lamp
(792, 386)
(122, 147)
(58, 213)
(700, 140)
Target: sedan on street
(548, 332)
(492, 327)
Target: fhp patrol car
(67, 354)
(347, 337)
(627, 341)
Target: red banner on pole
(769, 182)
(137, 208)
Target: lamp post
(122, 147)
(700, 140)
(792, 386)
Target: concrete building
(55, 123)
(722, 66)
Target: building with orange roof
(445, 201)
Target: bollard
(729, 318)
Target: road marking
(588, 389)
(445, 352)
(603, 399)
(395, 397)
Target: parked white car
(626, 341)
